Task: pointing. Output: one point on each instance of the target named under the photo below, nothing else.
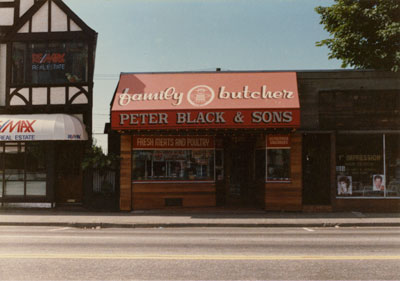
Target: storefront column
(125, 202)
(51, 171)
(333, 169)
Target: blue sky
(199, 35)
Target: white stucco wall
(7, 16)
(59, 20)
(24, 6)
(40, 19)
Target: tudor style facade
(47, 58)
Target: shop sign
(202, 95)
(196, 91)
(206, 119)
(166, 142)
(41, 127)
(206, 100)
(12, 130)
(48, 61)
(278, 141)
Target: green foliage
(96, 159)
(366, 33)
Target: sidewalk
(193, 218)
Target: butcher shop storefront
(208, 139)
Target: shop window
(173, 165)
(14, 170)
(219, 164)
(278, 164)
(35, 171)
(24, 172)
(49, 63)
(392, 165)
(360, 166)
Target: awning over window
(206, 100)
(41, 127)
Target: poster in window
(378, 182)
(344, 185)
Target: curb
(187, 225)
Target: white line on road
(308, 229)
(95, 256)
(60, 229)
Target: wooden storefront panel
(126, 170)
(287, 196)
(153, 195)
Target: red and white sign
(208, 100)
(41, 127)
(166, 142)
(278, 141)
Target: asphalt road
(48, 253)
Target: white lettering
(123, 118)
(256, 117)
(287, 117)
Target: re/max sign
(20, 126)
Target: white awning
(41, 127)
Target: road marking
(308, 229)
(187, 257)
(59, 236)
(59, 229)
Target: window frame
(28, 73)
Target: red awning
(206, 100)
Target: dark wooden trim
(8, 73)
(90, 62)
(68, 23)
(48, 96)
(30, 26)
(333, 169)
(30, 96)
(49, 36)
(40, 109)
(7, 4)
(49, 17)
(66, 95)
(77, 85)
(16, 10)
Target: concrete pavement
(192, 218)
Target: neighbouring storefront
(208, 139)
(30, 150)
(351, 140)
(47, 58)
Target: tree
(95, 159)
(366, 33)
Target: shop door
(316, 169)
(241, 188)
(69, 175)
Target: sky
(198, 35)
